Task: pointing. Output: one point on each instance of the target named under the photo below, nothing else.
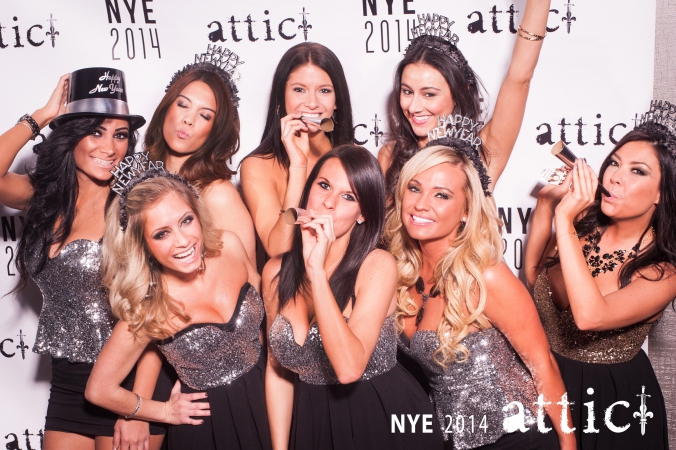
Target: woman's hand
(551, 194)
(317, 236)
(581, 183)
(56, 104)
(296, 140)
(180, 408)
(130, 434)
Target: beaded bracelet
(138, 405)
(31, 123)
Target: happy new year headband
(434, 31)
(462, 134)
(136, 169)
(220, 61)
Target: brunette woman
(195, 132)
(464, 317)
(176, 280)
(435, 79)
(64, 197)
(604, 277)
(308, 84)
(333, 381)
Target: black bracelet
(32, 123)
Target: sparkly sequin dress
(354, 416)
(605, 367)
(469, 397)
(225, 360)
(75, 323)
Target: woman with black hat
(64, 198)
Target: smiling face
(310, 93)
(96, 154)
(434, 204)
(424, 95)
(633, 178)
(173, 235)
(332, 194)
(190, 118)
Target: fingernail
(206, 394)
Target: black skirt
(612, 383)
(69, 411)
(239, 418)
(358, 416)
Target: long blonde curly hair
(459, 273)
(126, 261)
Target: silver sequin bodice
(209, 355)
(76, 320)
(310, 362)
(492, 377)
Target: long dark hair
(306, 53)
(209, 162)
(662, 250)
(55, 192)
(465, 85)
(368, 185)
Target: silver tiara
(457, 127)
(661, 112)
(435, 25)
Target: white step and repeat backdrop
(595, 75)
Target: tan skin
(174, 237)
(425, 94)
(187, 125)
(267, 186)
(348, 345)
(597, 304)
(433, 207)
(94, 156)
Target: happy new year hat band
(661, 112)
(462, 134)
(98, 91)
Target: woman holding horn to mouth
(308, 85)
(603, 278)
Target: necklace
(420, 289)
(598, 263)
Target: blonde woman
(177, 281)
(464, 316)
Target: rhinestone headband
(219, 60)
(434, 31)
(661, 112)
(462, 133)
(136, 169)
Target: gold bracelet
(564, 234)
(531, 36)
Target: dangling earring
(152, 283)
(463, 224)
(203, 266)
(333, 115)
(277, 111)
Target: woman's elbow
(92, 394)
(587, 322)
(347, 375)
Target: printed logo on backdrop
(377, 134)
(32, 35)
(134, 40)
(10, 232)
(579, 132)
(257, 29)
(394, 33)
(13, 442)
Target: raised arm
(229, 213)
(278, 380)
(500, 133)
(592, 310)
(114, 363)
(16, 190)
(510, 309)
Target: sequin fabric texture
(209, 355)
(76, 320)
(566, 339)
(469, 394)
(310, 362)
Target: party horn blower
(561, 151)
(325, 124)
(294, 216)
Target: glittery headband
(434, 31)
(461, 133)
(660, 122)
(220, 61)
(136, 169)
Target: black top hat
(97, 91)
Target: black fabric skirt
(239, 418)
(70, 412)
(358, 416)
(612, 383)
